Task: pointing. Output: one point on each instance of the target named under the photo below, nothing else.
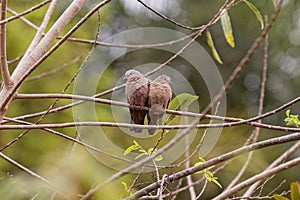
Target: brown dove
(160, 94)
(136, 91)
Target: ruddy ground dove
(160, 94)
(137, 91)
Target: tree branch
(219, 159)
(3, 61)
(22, 71)
(4, 21)
(55, 188)
(257, 177)
(39, 32)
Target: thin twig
(187, 163)
(128, 125)
(22, 71)
(257, 177)
(39, 32)
(72, 140)
(55, 70)
(4, 21)
(23, 19)
(219, 159)
(260, 110)
(168, 19)
(279, 160)
(34, 175)
(3, 61)
(244, 60)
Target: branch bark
(257, 177)
(217, 160)
(3, 61)
(23, 70)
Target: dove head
(164, 79)
(132, 73)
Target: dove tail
(153, 121)
(137, 130)
(155, 113)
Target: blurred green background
(73, 168)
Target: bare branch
(257, 177)
(4, 21)
(274, 163)
(188, 163)
(26, 21)
(55, 188)
(3, 61)
(237, 121)
(55, 70)
(22, 71)
(260, 110)
(39, 32)
(219, 159)
(67, 138)
(168, 19)
(245, 59)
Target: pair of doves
(141, 91)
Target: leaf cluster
(207, 173)
(137, 147)
(291, 120)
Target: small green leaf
(295, 190)
(287, 113)
(142, 154)
(131, 148)
(256, 12)
(214, 51)
(150, 151)
(143, 151)
(279, 197)
(136, 143)
(158, 158)
(214, 180)
(124, 185)
(291, 120)
(181, 101)
(274, 3)
(227, 28)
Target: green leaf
(143, 151)
(291, 120)
(181, 101)
(287, 113)
(214, 180)
(227, 28)
(279, 197)
(256, 12)
(133, 147)
(150, 151)
(295, 190)
(214, 51)
(124, 185)
(274, 3)
(142, 154)
(158, 158)
(136, 143)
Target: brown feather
(160, 94)
(136, 91)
